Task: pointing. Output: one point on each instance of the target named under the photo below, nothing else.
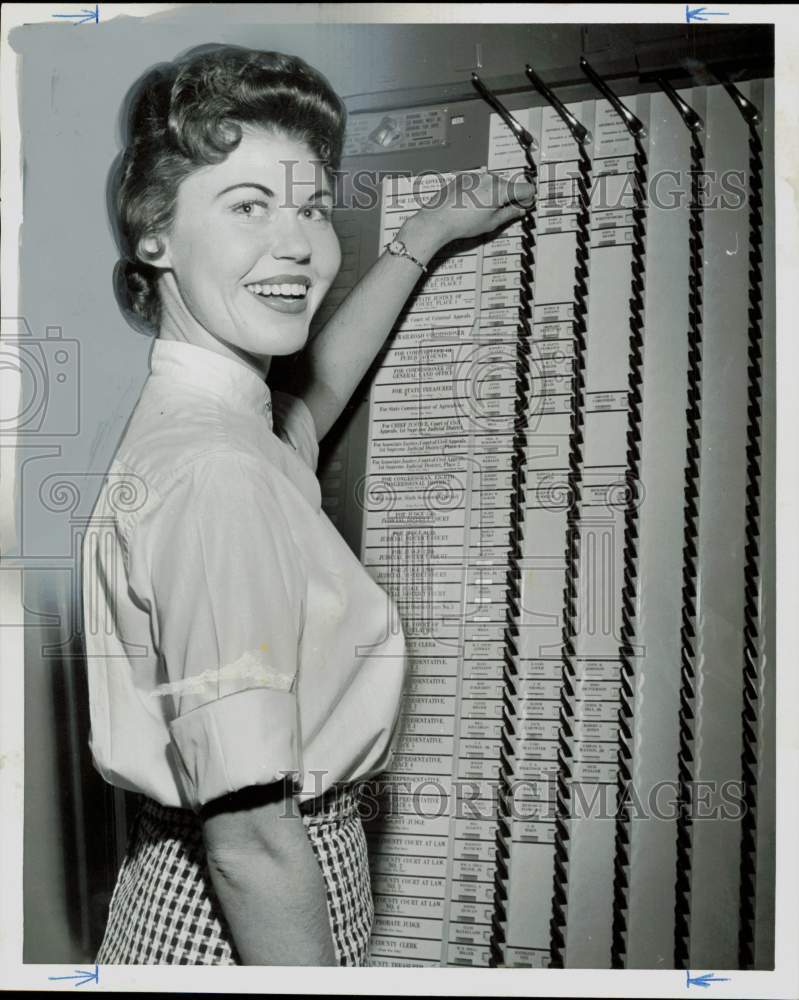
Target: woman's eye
(251, 209)
(318, 212)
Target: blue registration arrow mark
(702, 13)
(704, 980)
(83, 976)
(84, 16)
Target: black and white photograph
(397, 561)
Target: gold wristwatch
(398, 249)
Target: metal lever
(523, 137)
(634, 124)
(579, 132)
(687, 113)
(750, 113)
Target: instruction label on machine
(387, 132)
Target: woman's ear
(152, 250)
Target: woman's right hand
(268, 878)
(471, 204)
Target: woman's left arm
(339, 356)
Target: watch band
(398, 249)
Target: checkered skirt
(164, 910)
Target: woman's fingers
(484, 189)
(478, 201)
(508, 213)
(520, 192)
(507, 190)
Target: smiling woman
(254, 664)
(204, 229)
(238, 245)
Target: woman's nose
(290, 239)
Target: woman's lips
(282, 303)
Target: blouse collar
(240, 386)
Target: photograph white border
(784, 981)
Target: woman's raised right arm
(267, 878)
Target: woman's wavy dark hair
(187, 114)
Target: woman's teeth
(289, 291)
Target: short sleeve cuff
(246, 738)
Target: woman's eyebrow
(247, 184)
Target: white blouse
(232, 637)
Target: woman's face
(252, 250)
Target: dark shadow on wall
(75, 827)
